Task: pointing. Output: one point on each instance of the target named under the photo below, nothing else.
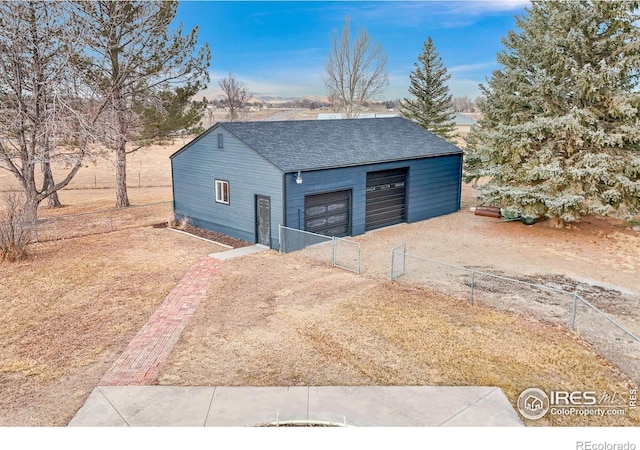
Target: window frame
(219, 191)
(220, 141)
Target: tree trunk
(555, 222)
(122, 198)
(31, 207)
(52, 200)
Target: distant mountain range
(323, 99)
(265, 98)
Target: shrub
(183, 223)
(15, 229)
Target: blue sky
(280, 48)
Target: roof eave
(342, 166)
(196, 139)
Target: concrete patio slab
(98, 412)
(143, 406)
(238, 252)
(361, 406)
(405, 406)
(257, 405)
(495, 401)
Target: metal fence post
(334, 247)
(473, 278)
(393, 257)
(574, 310)
(280, 238)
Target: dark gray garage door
(328, 214)
(386, 198)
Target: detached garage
(332, 177)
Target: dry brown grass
(149, 181)
(72, 308)
(147, 167)
(103, 221)
(296, 322)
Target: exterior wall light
(299, 178)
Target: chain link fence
(98, 222)
(338, 252)
(607, 319)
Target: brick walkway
(140, 363)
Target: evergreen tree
(178, 112)
(560, 133)
(432, 106)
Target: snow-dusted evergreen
(560, 131)
(432, 105)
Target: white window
(222, 191)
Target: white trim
(219, 191)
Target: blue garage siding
(433, 189)
(201, 162)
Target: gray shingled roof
(321, 144)
(461, 119)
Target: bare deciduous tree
(355, 71)
(41, 121)
(236, 96)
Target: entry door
(263, 220)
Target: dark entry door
(386, 198)
(263, 220)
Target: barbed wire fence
(607, 319)
(98, 222)
(134, 180)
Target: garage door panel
(389, 209)
(379, 221)
(398, 198)
(384, 223)
(372, 195)
(385, 198)
(387, 177)
(328, 213)
(392, 214)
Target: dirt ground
(598, 259)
